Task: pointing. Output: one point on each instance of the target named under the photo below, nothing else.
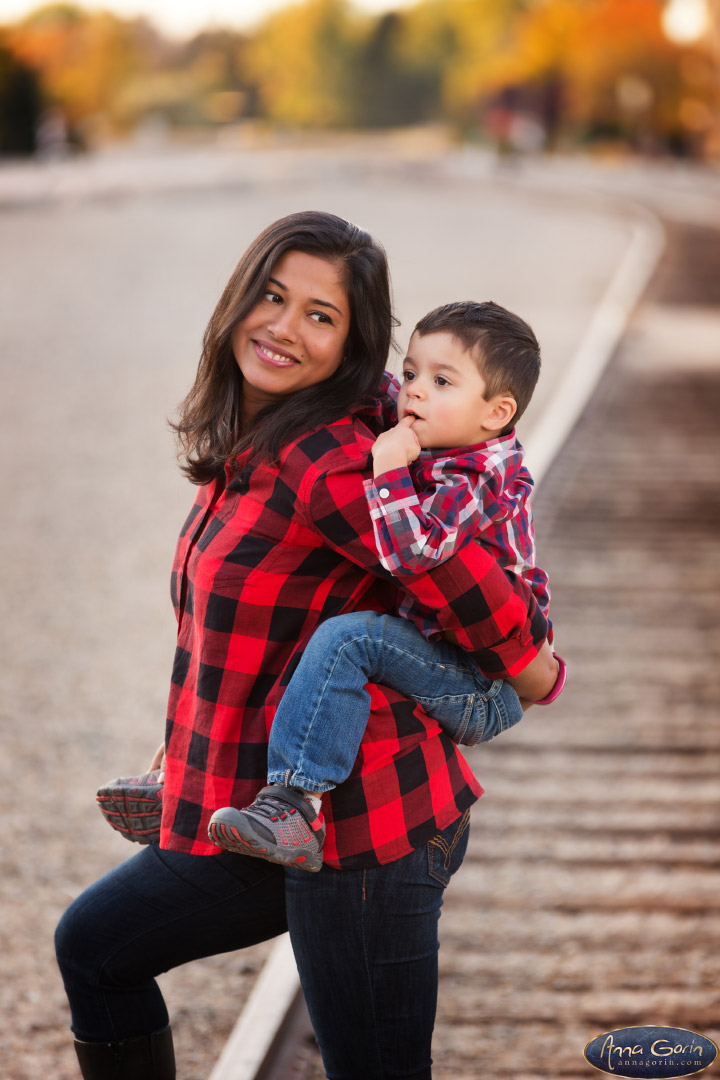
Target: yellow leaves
(480, 27)
(596, 64)
(461, 40)
(80, 56)
(298, 60)
(547, 37)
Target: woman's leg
(157, 910)
(320, 722)
(366, 945)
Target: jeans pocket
(446, 850)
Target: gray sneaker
(281, 826)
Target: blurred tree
(81, 57)
(217, 60)
(391, 87)
(302, 60)
(197, 82)
(620, 76)
(525, 69)
(628, 78)
(454, 47)
(20, 104)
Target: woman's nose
(283, 323)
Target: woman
(277, 431)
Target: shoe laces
(273, 806)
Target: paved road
(104, 294)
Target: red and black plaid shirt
(265, 555)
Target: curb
(274, 1010)
(598, 344)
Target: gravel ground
(102, 308)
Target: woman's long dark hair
(210, 429)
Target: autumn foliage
(569, 70)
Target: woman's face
(295, 336)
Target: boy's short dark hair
(503, 345)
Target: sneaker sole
(226, 835)
(133, 807)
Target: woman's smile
(269, 355)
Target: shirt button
(384, 492)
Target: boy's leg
(438, 675)
(320, 722)
(319, 725)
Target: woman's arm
(495, 620)
(538, 678)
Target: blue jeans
(321, 719)
(365, 941)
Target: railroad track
(589, 898)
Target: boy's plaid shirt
(423, 514)
(265, 555)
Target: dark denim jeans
(321, 719)
(365, 941)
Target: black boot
(148, 1057)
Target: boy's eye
(408, 376)
(442, 381)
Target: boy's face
(444, 390)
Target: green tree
(391, 87)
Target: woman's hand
(158, 762)
(395, 448)
(538, 678)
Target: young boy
(449, 473)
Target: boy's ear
(502, 411)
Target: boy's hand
(395, 448)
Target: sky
(182, 17)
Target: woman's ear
(502, 410)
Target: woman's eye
(321, 317)
(273, 297)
